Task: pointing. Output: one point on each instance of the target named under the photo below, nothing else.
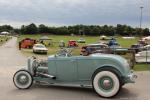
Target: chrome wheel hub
(23, 79)
(106, 83)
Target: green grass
(142, 67)
(126, 43)
(3, 39)
(56, 39)
(53, 49)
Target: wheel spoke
(22, 79)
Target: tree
(146, 32)
(91, 30)
(6, 28)
(31, 29)
(43, 29)
(23, 29)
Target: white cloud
(74, 11)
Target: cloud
(69, 12)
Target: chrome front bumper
(131, 78)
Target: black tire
(106, 84)
(26, 81)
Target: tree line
(91, 30)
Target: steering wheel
(64, 52)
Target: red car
(27, 43)
(72, 43)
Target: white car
(147, 47)
(81, 40)
(146, 38)
(39, 48)
(143, 56)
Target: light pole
(141, 17)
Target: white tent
(4, 33)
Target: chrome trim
(131, 77)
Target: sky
(72, 12)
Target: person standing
(20, 45)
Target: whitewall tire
(22, 79)
(106, 84)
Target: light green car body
(79, 70)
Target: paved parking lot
(11, 60)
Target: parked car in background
(147, 47)
(105, 73)
(94, 48)
(143, 56)
(136, 47)
(103, 37)
(143, 42)
(39, 48)
(81, 40)
(113, 44)
(72, 43)
(27, 43)
(146, 38)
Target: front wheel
(106, 84)
(22, 79)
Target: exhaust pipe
(46, 75)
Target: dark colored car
(94, 48)
(136, 47)
(113, 44)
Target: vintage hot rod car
(106, 73)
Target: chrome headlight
(31, 64)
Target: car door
(66, 68)
(85, 68)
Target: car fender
(111, 68)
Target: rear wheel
(22, 79)
(106, 84)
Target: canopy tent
(4, 33)
(46, 38)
